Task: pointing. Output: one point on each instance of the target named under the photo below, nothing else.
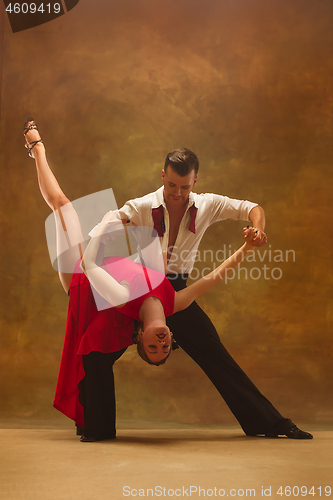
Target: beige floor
(52, 464)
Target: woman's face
(156, 342)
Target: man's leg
(97, 396)
(196, 334)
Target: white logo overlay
(69, 230)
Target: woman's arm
(185, 297)
(113, 292)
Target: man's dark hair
(183, 161)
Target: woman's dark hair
(182, 161)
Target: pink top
(144, 283)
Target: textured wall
(114, 85)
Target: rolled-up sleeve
(223, 208)
(131, 212)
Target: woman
(122, 284)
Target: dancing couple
(95, 339)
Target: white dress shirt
(210, 208)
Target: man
(181, 218)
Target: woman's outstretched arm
(113, 292)
(68, 227)
(185, 297)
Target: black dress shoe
(90, 439)
(87, 439)
(296, 433)
(289, 429)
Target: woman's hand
(111, 218)
(250, 233)
(256, 239)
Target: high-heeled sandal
(30, 124)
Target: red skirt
(87, 330)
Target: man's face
(177, 188)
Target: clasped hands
(254, 236)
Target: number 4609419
(31, 8)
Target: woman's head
(154, 339)
(154, 344)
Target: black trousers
(197, 336)
(97, 394)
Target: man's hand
(255, 236)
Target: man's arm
(257, 217)
(131, 212)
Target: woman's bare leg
(67, 223)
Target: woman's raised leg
(66, 220)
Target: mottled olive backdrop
(114, 85)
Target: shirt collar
(158, 215)
(159, 199)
